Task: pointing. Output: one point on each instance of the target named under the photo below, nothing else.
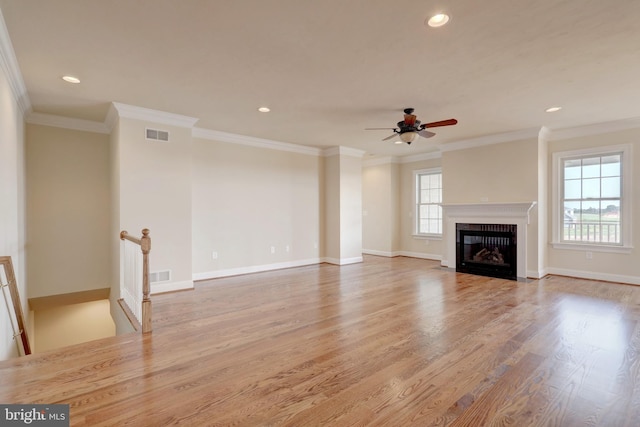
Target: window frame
(416, 204)
(625, 246)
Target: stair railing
(135, 284)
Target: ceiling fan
(410, 128)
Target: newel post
(145, 244)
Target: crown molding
(491, 139)
(421, 157)
(155, 116)
(388, 160)
(9, 65)
(343, 151)
(594, 129)
(214, 135)
(67, 123)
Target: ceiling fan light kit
(410, 128)
(408, 137)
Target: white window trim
(626, 202)
(416, 215)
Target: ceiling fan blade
(426, 133)
(390, 137)
(379, 128)
(448, 122)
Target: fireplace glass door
(487, 250)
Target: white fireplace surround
(486, 213)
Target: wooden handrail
(145, 245)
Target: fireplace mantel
(486, 213)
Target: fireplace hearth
(487, 250)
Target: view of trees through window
(592, 199)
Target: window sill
(427, 236)
(592, 247)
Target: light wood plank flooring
(389, 342)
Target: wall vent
(160, 276)
(157, 135)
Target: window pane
(436, 180)
(572, 169)
(429, 192)
(571, 211)
(611, 210)
(592, 199)
(434, 196)
(572, 189)
(591, 167)
(591, 188)
(611, 165)
(611, 187)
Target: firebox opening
(487, 250)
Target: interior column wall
(154, 180)
(343, 204)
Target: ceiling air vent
(157, 135)
(160, 276)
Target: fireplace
(487, 249)
(487, 213)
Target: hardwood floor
(389, 342)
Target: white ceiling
(328, 69)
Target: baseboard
(379, 253)
(160, 288)
(420, 255)
(343, 261)
(607, 277)
(535, 274)
(254, 269)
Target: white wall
(430, 248)
(12, 204)
(604, 266)
(68, 210)
(506, 172)
(380, 208)
(154, 182)
(58, 327)
(248, 200)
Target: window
(592, 198)
(428, 196)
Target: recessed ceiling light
(553, 109)
(264, 109)
(438, 20)
(71, 79)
